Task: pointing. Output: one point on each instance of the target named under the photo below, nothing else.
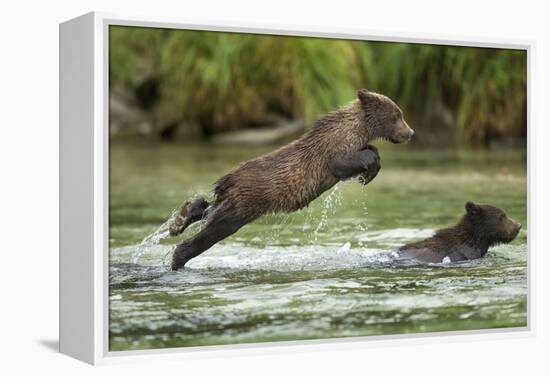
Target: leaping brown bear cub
(335, 149)
(481, 227)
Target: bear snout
(515, 231)
(402, 133)
(406, 131)
(409, 130)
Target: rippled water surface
(325, 271)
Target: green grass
(211, 82)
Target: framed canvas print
(228, 188)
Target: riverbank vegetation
(170, 84)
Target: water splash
(154, 238)
(287, 258)
(332, 201)
(361, 226)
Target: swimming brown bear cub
(337, 148)
(481, 227)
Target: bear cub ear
(364, 95)
(471, 207)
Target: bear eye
(502, 216)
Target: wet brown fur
(481, 227)
(289, 178)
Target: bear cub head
(383, 117)
(491, 223)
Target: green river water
(322, 272)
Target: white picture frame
(84, 157)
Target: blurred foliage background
(193, 85)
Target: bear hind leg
(219, 227)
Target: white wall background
(29, 188)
